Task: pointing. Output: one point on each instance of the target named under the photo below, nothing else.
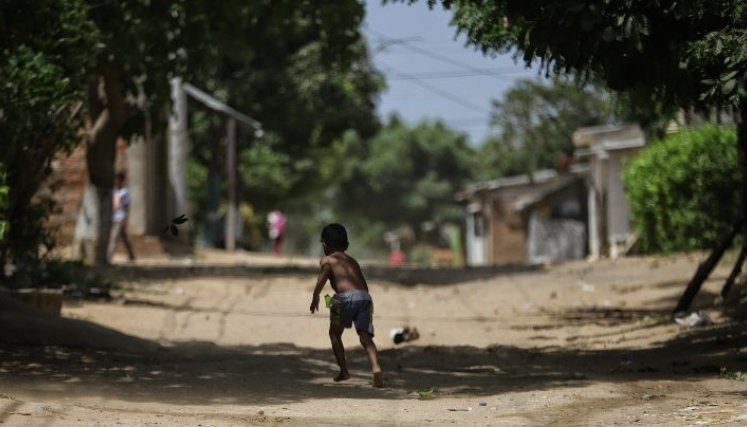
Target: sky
(430, 74)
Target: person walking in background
(276, 222)
(121, 209)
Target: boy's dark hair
(120, 176)
(335, 236)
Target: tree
(46, 48)
(304, 96)
(676, 186)
(145, 42)
(535, 123)
(686, 54)
(403, 175)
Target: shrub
(684, 189)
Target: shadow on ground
(199, 373)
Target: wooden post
(231, 211)
(178, 149)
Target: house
(607, 149)
(553, 216)
(527, 219)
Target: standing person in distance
(121, 210)
(277, 222)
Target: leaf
(728, 86)
(174, 230)
(166, 229)
(179, 220)
(729, 76)
(427, 393)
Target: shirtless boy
(351, 304)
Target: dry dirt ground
(577, 344)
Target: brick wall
(68, 181)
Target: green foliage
(4, 190)
(684, 189)
(536, 122)
(304, 98)
(302, 69)
(420, 254)
(46, 47)
(403, 176)
(678, 53)
(265, 173)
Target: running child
(352, 304)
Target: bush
(684, 190)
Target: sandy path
(580, 344)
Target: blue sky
(460, 81)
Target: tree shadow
(200, 373)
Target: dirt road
(579, 344)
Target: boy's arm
(324, 275)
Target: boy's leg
(113, 236)
(373, 357)
(126, 240)
(335, 336)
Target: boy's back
(346, 272)
(351, 304)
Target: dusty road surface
(578, 344)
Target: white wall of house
(475, 236)
(608, 149)
(552, 240)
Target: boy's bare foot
(342, 376)
(378, 380)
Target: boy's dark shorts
(353, 307)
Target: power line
(406, 44)
(477, 121)
(436, 90)
(429, 75)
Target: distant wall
(67, 182)
(508, 235)
(553, 240)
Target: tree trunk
(742, 157)
(94, 219)
(735, 272)
(705, 268)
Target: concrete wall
(618, 213)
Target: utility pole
(231, 212)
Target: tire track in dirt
(261, 290)
(169, 326)
(232, 301)
(188, 310)
(171, 322)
